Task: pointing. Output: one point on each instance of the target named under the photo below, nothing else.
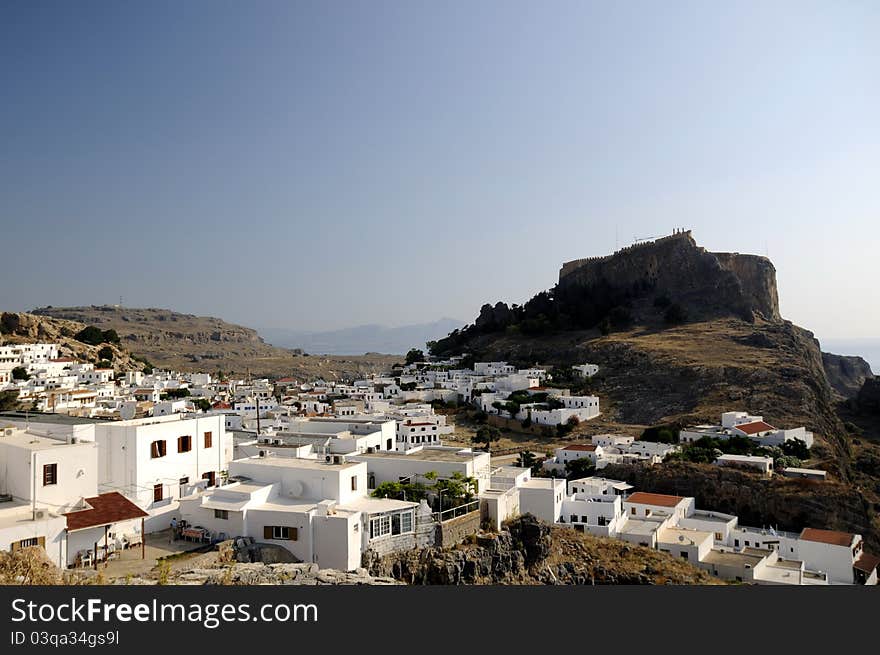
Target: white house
(389, 466)
(742, 424)
(761, 464)
(49, 474)
(586, 370)
(317, 510)
(153, 461)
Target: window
(280, 532)
(157, 449)
(184, 444)
(50, 474)
(573, 518)
(354, 483)
(718, 536)
(380, 526)
(209, 438)
(157, 493)
(221, 514)
(602, 520)
(632, 510)
(210, 477)
(684, 554)
(736, 543)
(26, 543)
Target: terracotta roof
(754, 428)
(581, 446)
(661, 500)
(867, 563)
(106, 509)
(286, 380)
(221, 405)
(832, 537)
(416, 424)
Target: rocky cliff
(529, 552)
(846, 374)
(706, 284)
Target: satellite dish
(296, 488)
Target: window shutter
(267, 532)
(294, 534)
(41, 541)
(15, 546)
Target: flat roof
(30, 441)
(297, 462)
(726, 558)
(694, 536)
(426, 455)
(640, 527)
(46, 417)
(370, 505)
(15, 512)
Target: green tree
(796, 448)
(20, 373)
(90, 335)
(106, 353)
(202, 403)
(675, 314)
(8, 400)
(487, 435)
(415, 355)
(176, 393)
(526, 459)
(579, 468)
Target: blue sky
(317, 165)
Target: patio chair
(84, 558)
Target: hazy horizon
(318, 166)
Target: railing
(455, 512)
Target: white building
(586, 370)
(761, 464)
(319, 511)
(153, 461)
(742, 424)
(414, 464)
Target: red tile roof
(754, 428)
(221, 405)
(660, 500)
(832, 537)
(867, 563)
(106, 509)
(581, 446)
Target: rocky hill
(681, 335)
(17, 327)
(529, 552)
(201, 343)
(706, 284)
(846, 373)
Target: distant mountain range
(362, 338)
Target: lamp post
(441, 505)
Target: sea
(868, 348)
